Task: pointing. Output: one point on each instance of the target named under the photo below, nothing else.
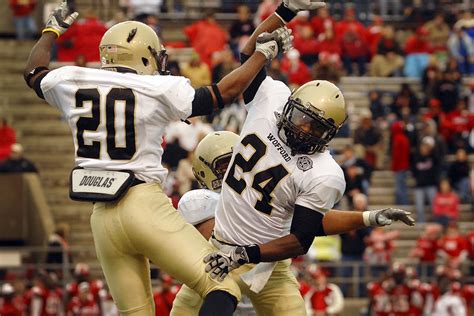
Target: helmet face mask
(311, 117)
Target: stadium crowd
(423, 131)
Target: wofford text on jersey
(94, 181)
(279, 147)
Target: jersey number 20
(92, 123)
(264, 181)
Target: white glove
(387, 216)
(270, 44)
(58, 21)
(300, 5)
(219, 264)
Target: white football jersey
(118, 119)
(264, 181)
(197, 206)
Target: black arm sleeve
(252, 89)
(306, 225)
(203, 104)
(37, 84)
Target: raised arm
(58, 23)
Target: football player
(117, 115)
(282, 182)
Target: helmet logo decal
(131, 35)
(304, 163)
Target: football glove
(219, 264)
(387, 216)
(300, 5)
(59, 20)
(270, 44)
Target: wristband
(49, 29)
(285, 14)
(253, 253)
(366, 218)
(217, 93)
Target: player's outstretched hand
(387, 216)
(219, 264)
(278, 41)
(300, 5)
(59, 20)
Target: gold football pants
(279, 297)
(144, 225)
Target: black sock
(218, 303)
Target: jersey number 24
(264, 181)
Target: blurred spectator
(188, 135)
(140, 9)
(118, 17)
(8, 306)
(45, 297)
(152, 21)
(328, 68)
(275, 72)
(446, 91)
(405, 98)
(417, 50)
(199, 34)
(398, 289)
(379, 299)
(164, 296)
(354, 183)
(300, 21)
(185, 175)
(457, 126)
(353, 41)
(329, 47)
(461, 47)
(388, 61)
(16, 162)
(353, 246)
(80, 61)
(196, 71)
(323, 298)
(426, 248)
(223, 63)
(400, 152)
(296, 70)
(82, 276)
(85, 33)
(83, 304)
(430, 78)
(265, 9)
(58, 252)
(349, 158)
(307, 44)
(449, 303)
(241, 29)
(7, 139)
(322, 22)
(452, 247)
(25, 25)
(325, 249)
(445, 204)
(369, 139)
(377, 108)
(458, 174)
(378, 253)
(438, 32)
(425, 169)
(374, 33)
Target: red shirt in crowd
(470, 244)
(400, 148)
(456, 122)
(330, 45)
(22, 7)
(164, 301)
(446, 204)
(78, 40)
(83, 307)
(320, 25)
(7, 139)
(452, 246)
(400, 297)
(206, 37)
(417, 45)
(9, 308)
(297, 74)
(94, 287)
(428, 248)
(320, 298)
(44, 302)
(306, 46)
(379, 299)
